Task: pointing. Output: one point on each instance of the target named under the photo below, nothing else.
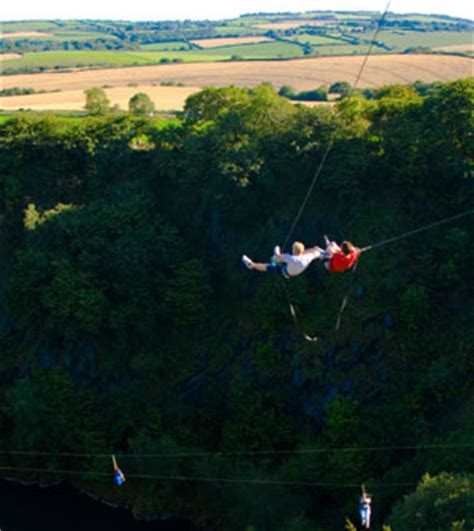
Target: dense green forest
(129, 325)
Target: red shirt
(341, 262)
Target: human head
(298, 248)
(347, 247)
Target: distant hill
(253, 36)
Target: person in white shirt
(364, 508)
(288, 265)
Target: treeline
(129, 325)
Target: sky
(213, 9)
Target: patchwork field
(164, 98)
(9, 56)
(301, 74)
(401, 40)
(457, 48)
(289, 24)
(23, 34)
(229, 41)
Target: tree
(286, 91)
(439, 503)
(97, 102)
(141, 103)
(341, 87)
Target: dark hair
(347, 247)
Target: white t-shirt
(296, 264)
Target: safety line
(416, 231)
(296, 451)
(208, 479)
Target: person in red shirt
(337, 259)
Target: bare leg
(259, 267)
(332, 247)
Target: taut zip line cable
(394, 239)
(297, 451)
(249, 481)
(416, 231)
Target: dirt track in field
(164, 98)
(301, 74)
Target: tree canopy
(128, 324)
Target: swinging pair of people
(335, 258)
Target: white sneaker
(247, 262)
(276, 252)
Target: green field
(261, 50)
(73, 59)
(70, 59)
(65, 36)
(401, 40)
(318, 40)
(237, 30)
(192, 56)
(165, 46)
(29, 26)
(349, 49)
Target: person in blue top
(364, 508)
(119, 476)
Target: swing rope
(320, 169)
(331, 142)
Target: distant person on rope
(288, 265)
(119, 476)
(364, 508)
(339, 258)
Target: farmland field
(9, 56)
(231, 30)
(164, 98)
(229, 41)
(165, 46)
(23, 34)
(401, 40)
(289, 24)
(317, 39)
(72, 44)
(78, 59)
(347, 49)
(261, 50)
(302, 74)
(457, 48)
(34, 25)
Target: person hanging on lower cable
(364, 508)
(288, 265)
(119, 476)
(339, 258)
